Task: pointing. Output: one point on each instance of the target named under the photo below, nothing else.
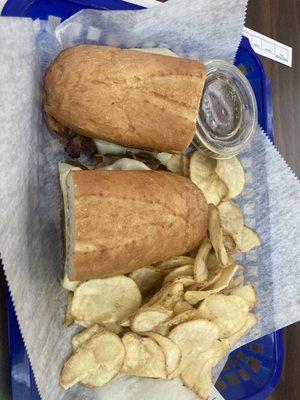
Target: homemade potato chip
(175, 262)
(250, 239)
(105, 300)
(112, 360)
(193, 336)
(125, 322)
(170, 350)
(235, 283)
(184, 316)
(213, 277)
(202, 168)
(194, 297)
(182, 306)
(167, 296)
(84, 336)
(248, 293)
(200, 269)
(69, 320)
(229, 244)
(202, 173)
(216, 234)
(185, 280)
(102, 354)
(231, 341)
(228, 312)
(162, 329)
(146, 278)
(232, 174)
(143, 357)
(232, 221)
(113, 327)
(158, 309)
(147, 318)
(197, 375)
(178, 272)
(212, 262)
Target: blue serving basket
(252, 371)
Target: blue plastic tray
(253, 371)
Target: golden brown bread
(123, 220)
(131, 98)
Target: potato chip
(213, 277)
(202, 168)
(202, 173)
(250, 239)
(175, 262)
(178, 272)
(147, 318)
(113, 327)
(69, 320)
(214, 191)
(229, 244)
(167, 296)
(216, 234)
(162, 329)
(232, 174)
(184, 316)
(143, 357)
(185, 280)
(212, 262)
(102, 354)
(231, 341)
(182, 306)
(228, 312)
(105, 300)
(232, 221)
(200, 269)
(248, 293)
(158, 309)
(112, 360)
(194, 297)
(147, 278)
(197, 375)
(84, 336)
(235, 283)
(193, 336)
(170, 349)
(125, 322)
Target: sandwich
(119, 221)
(125, 97)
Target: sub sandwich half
(127, 97)
(118, 221)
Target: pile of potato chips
(178, 318)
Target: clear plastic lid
(227, 118)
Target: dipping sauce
(227, 118)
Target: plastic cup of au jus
(227, 118)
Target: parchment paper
(30, 201)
